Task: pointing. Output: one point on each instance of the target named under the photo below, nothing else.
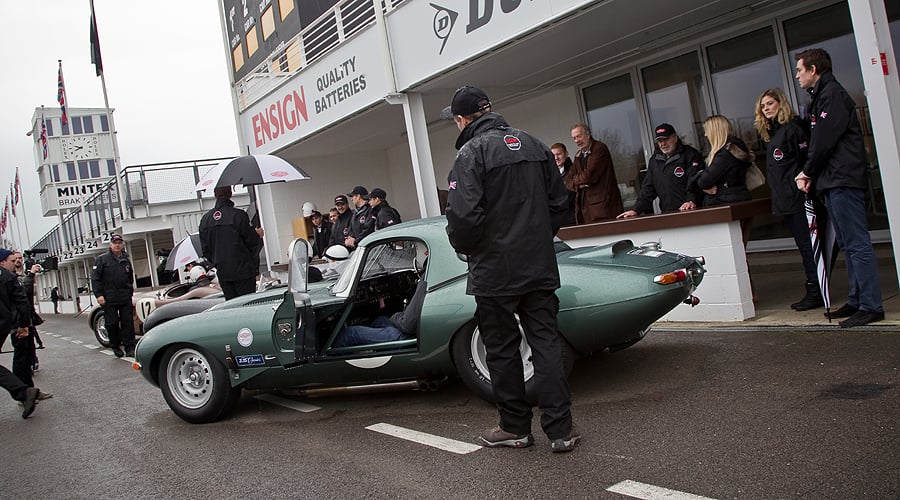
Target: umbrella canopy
(250, 170)
(186, 251)
(824, 245)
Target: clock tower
(73, 160)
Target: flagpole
(95, 58)
(18, 188)
(81, 194)
(18, 226)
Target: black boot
(812, 299)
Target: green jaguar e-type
(283, 338)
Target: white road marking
(287, 403)
(90, 346)
(66, 338)
(56, 335)
(649, 492)
(438, 442)
(78, 342)
(108, 353)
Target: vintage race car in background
(146, 302)
(282, 338)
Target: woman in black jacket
(724, 178)
(785, 156)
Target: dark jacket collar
(484, 123)
(825, 79)
(224, 202)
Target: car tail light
(136, 366)
(669, 278)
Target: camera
(46, 264)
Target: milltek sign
(454, 31)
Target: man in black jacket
(668, 171)
(231, 244)
(112, 280)
(506, 201)
(340, 228)
(836, 164)
(361, 224)
(14, 318)
(383, 214)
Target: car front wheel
(470, 357)
(99, 325)
(195, 385)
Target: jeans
(537, 313)
(847, 209)
(381, 330)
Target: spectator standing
(321, 233)
(383, 214)
(593, 179)
(112, 280)
(564, 165)
(724, 180)
(22, 342)
(14, 319)
(340, 228)
(499, 172)
(25, 350)
(787, 140)
(361, 225)
(836, 167)
(54, 297)
(669, 170)
(231, 245)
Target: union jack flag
(18, 186)
(61, 95)
(13, 197)
(44, 137)
(4, 217)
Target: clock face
(80, 147)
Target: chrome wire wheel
(479, 355)
(190, 378)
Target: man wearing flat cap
(668, 171)
(383, 213)
(112, 281)
(505, 203)
(361, 223)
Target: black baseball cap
(664, 131)
(378, 193)
(340, 199)
(360, 191)
(116, 237)
(466, 101)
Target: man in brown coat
(593, 179)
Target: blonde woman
(724, 178)
(785, 156)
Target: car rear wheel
(195, 385)
(470, 357)
(99, 326)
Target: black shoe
(40, 346)
(493, 438)
(31, 395)
(812, 299)
(845, 311)
(118, 352)
(565, 444)
(129, 353)
(862, 318)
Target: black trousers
(120, 324)
(23, 357)
(232, 289)
(799, 228)
(12, 384)
(537, 313)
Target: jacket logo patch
(512, 142)
(803, 145)
(452, 185)
(777, 154)
(823, 114)
(362, 219)
(679, 172)
(217, 215)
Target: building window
(76, 124)
(70, 171)
(55, 172)
(252, 41)
(741, 69)
(676, 94)
(613, 117)
(111, 167)
(49, 124)
(65, 127)
(104, 123)
(88, 124)
(237, 57)
(83, 170)
(268, 22)
(285, 7)
(95, 169)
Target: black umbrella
(250, 170)
(825, 250)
